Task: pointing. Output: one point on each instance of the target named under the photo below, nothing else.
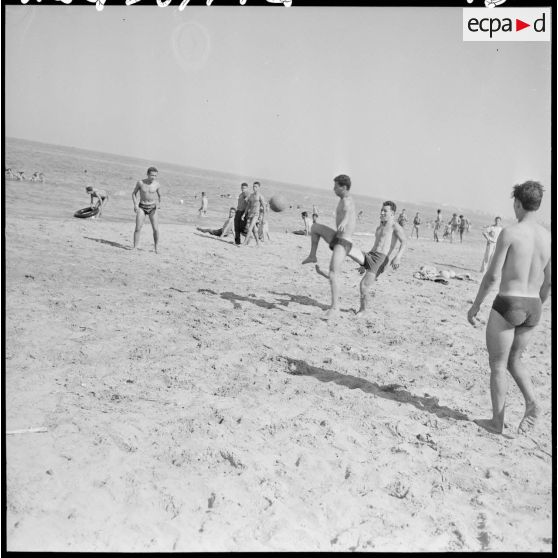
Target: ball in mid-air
(278, 203)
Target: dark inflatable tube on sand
(86, 212)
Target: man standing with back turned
(522, 258)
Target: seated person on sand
(226, 229)
(522, 264)
(21, 175)
(149, 204)
(388, 234)
(254, 203)
(99, 198)
(307, 224)
(35, 177)
(9, 174)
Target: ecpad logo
(506, 24)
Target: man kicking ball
(372, 263)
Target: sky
(391, 96)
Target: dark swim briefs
(347, 244)
(375, 262)
(519, 310)
(148, 209)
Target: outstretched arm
(136, 190)
(492, 274)
(545, 287)
(398, 235)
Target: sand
(195, 400)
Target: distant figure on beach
(314, 218)
(240, 215)
(315, 210)
(522, 263)
(360, 215)
(226, 229)
(99, 198)
(453, 226)
(416, 224)
(255, 202)
(437, 225)
(42, 177)
(307, 224)
(491, 235)
(149, 203)
(402, 219)
(21, 175)
(462, 226)
(35, 177)
(10, 174)
(373, 263)
(202, 212)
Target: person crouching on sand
(99, 199)
(521, 261)
(149, 203)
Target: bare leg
(365, 296)
(155, 224)
(337, 258)
(318, 231)
(251, 230)
(499, 339)
(523, 378)
(140, 218)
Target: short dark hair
(498, 217)
(529, 194)
(151, 169)
(315, 215)
(232, 209)
(304, 213)
(461, 216)
(244, 184)
(439, 211)
(256, 182)
(390, 204)
(89, 188)
(343, 180)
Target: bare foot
(529, 420)
(362, 314)
(310, 259)
(332, 315)
(490, 425)
(320, 272)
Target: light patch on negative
(20, 17)
(191, 45)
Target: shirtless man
(416, 224)
(148, 188)
(99, 198)
(437, 225)
(202, 211)
(254, 204)
(226, 229)
(522, 261)
(373, 263)
(239, 221)
(339, 241)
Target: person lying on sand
(226, 229)
(522, 259)
(373, 263)
(148, 206)
(99, 198)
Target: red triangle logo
(519, 25)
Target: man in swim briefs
(340, 240)
(239, 221)
(149, 203)
(101, 197)
(254, 203)
(522, 262)
(437, 225)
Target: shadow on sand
(300, 299)
(109, 242)
(394, 392)
(235, 299)
(212, 237)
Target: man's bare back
(528, 254)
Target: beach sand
(195, 400)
